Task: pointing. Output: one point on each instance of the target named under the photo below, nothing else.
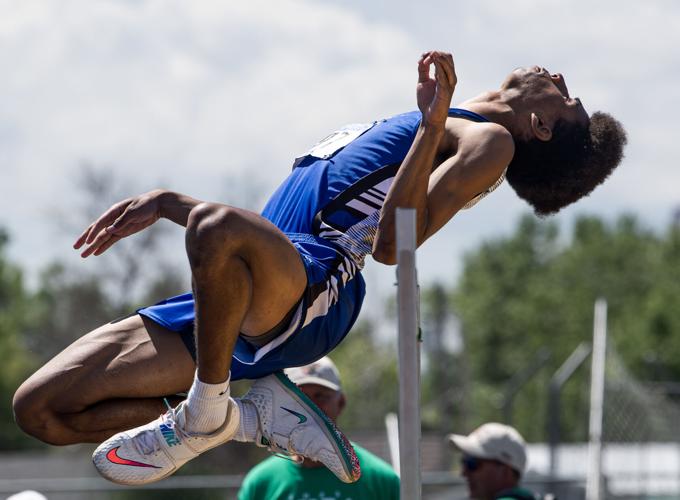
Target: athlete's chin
(522, 79)
(514, 78)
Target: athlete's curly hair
(552, 174)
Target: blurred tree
(66, 306)
(444, 364)
(16, 363)
(128, 268)
(72, 300)
(369, 375)
(535, 288)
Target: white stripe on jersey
(361, 206)
(384, 186)
(369, 196)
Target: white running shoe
(156, 450)
(290, 422)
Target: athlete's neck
(497, 106)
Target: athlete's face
(330, 401)
(546, 94)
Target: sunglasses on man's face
(471, 464)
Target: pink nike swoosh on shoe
(149, 453)
(113, 457)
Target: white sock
(247, 429)
(206, 406)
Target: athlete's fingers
(424, 55)
(97, 242)
(83, 237)
(133, 219)
(445, 71)
(98, 226)
(435, 54)
(440, 74)
(120, 222)
(423, 72)
(89, 250)
(424, 68)
(447, 75)
(107, 244)
(112, 214)
(450, 68)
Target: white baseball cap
(27, 495)
(494, 441)
(322, 372)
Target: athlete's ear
(540, 129)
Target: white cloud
(194, 92)
(183, 91)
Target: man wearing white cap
(305, 479)
(494, 459)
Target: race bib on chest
(334, 142)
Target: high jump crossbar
(409, 356)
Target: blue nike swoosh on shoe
(302, 418)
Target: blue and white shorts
(328, 309)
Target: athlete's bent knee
(33, 416)
(213, 231)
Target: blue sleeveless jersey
(328, 207)
(337, 189)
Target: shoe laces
(279, 451)
(147, 442)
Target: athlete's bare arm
(438, 192)
(484, 151)
(410, 185)
(133, 215)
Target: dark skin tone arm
(133, 215)
(483, 151)
(437, 194)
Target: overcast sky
(191, 95)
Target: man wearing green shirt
(494, 459)
(280, 479)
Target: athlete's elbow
(385, 254)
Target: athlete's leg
(247, 276)
(109, 380)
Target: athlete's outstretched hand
(434, 94)
(122, 219)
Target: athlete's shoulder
(490, 135)
(489, 143)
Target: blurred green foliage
(15, 361)
(537, 288)
(369, 378)
(517, 294)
